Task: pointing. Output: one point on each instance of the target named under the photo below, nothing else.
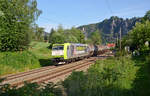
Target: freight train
(69, 52)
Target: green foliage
(12, 62)
(147, 16)
(61, 35)
(37, 56)
(75, 84)
(45, 37)
(39, 34)
(51, 35)
(111, 77)
(15, 24)
(40, 50)
(31, 89)
(138, 36)
(77, 34)
(141, 85)
(95, 38)
(56, 36)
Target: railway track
(47, 74)
(13, 76)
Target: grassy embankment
(36, 56)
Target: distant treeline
(72, 35)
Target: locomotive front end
(58, 53)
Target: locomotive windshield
(58, 48)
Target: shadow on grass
(45, 62)
(141, 85)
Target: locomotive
(69, 52)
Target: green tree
(45, 37)
(78, 34)
(89, 41)
(16, 19)
(147, 16)
(69, 36)
(96, 37)
(61, 35)
(74, 35)
(51, 35)
(39, 33)
(139, 35)
(57, 36)
(60, 29)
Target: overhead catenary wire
(109, 7)
(120, 33)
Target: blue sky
(80, 12)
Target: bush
(31, 89)
(111, 77)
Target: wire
(109, 7)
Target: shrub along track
(48, 74)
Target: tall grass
(36, 56)
(110, 77)
(40, 49)
(12, 62)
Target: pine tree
(51, 35)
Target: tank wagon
(69, 52)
